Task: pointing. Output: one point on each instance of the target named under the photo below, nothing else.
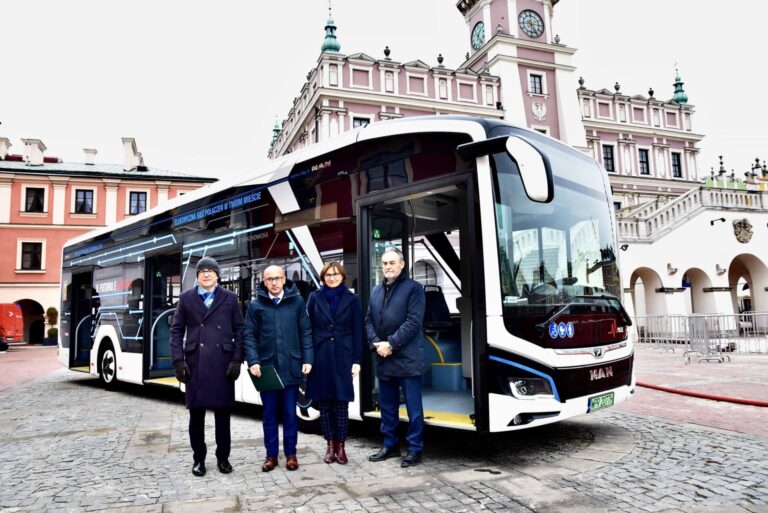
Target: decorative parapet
(651, 227)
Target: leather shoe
(224, 466)
(198, 469)
(411, 459)
(291, 463)
(384, 453)
(269, 464)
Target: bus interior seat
(442, 342)
(436, 313)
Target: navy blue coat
(214, 338)
(399, 321)
(337, 342)
(279, 335)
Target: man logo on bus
(553, 330)
(570, 330)
(601, 373)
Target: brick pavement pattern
(66, 445)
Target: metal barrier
(663, 332)
(710, 337)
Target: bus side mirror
(534, 169)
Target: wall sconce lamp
(719, 219)
(720, 270)
(670, 269)
(624, 247)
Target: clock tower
(513, 39)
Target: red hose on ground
(750, 402)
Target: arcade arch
(748, 279)
(34, 320)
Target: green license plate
(600, 401)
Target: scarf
(333, 296)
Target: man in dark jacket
(393, 324)
(209, 360)
(278, 333)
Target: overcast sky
(200, 84)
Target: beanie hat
(207, 263)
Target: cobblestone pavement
(67, 445)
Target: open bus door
(163, 287)
(432, 223)
(80, 303)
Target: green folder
(268, 381)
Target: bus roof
(473, 126)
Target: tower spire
(679, 96)
(330, 43)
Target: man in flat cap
(209, 360)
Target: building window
(34, 200)
(677, 167)
(535, 84)
(137, 203)
(424, 273)
(358, 122)
(645, 168)
(333, 75)
(83, 201)
(617, 205)
(608, 158)
(31, 256)
(389, 82)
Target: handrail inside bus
(152, 337)
(438, 260)
(77, 330)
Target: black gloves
(182, 371)
(233, 369)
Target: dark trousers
(389, 399)
(276, 402)
(197, 433)
(334, 419)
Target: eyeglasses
(206, 271)
(274, 279)
(332, 275)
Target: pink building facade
(45, 202)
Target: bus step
(81, 368)
(435, 418)
(167, 381)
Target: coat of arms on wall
(539, 110)
(742, 228)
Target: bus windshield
(559, 278)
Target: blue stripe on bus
(532, 371)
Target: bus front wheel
(108, 367)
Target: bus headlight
(528, 388)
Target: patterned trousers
(334, 419)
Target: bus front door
(80, 297)
(163, 287)
(430, 224)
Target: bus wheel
(308, 416)
(108, 367)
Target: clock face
(531, 23)
(478, 35)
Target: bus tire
(108, 366)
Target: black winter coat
(399, 320)
(279, 335)
(214, 338)
(337, 342)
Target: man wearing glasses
(393, 324)
(278, 333)
(209, 360)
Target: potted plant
(53, 337)
(52, 316)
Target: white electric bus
(511, 232)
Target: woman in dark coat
(337, 338)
